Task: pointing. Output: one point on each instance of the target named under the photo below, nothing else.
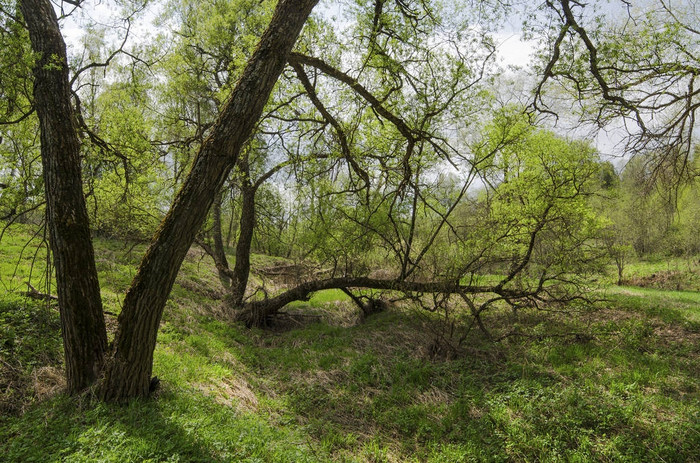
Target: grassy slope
(626, 389)
(675, 273)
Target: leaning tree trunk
(128, 370)
(82, 320)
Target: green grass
(180, 425)
(674, 304)
(672, 273)
(23, 260)
(656, 264)
(320, 299)
(626, 389)
(30, 348)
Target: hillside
(614, 382)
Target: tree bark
(82, 320)
(128, 370)
(256, 313)
(220, 256)
(241, 269)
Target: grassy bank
(617, 382)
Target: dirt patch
(12, 389)
(403, 340)
(434, 397)
(195, 252)
(609, 315)
(676, 334)
(201, 289)
(48, 381)
(290, 320)
(111, 323)
(666, 333)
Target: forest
(349, 230)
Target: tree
(639, 69)
(127, 370)
(20, 177)
(607, 204)
(331, 141)
(383, 107)
(650, 210)
(82, 320)
(381, 149)
(531, 224)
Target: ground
(617, 381)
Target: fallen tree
(258, 313)
(528, 241)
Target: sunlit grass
(23, 257)
(671, 273)
(619, 383)
(674, 304)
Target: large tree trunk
(241, 270)
(82, 321)
(128, 371)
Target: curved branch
(342, 138)
(256, 313)
(298, 58)
(109, 58)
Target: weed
(626, 389)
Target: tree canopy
(369, 142)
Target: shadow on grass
(620, 391)
(372, 393)
(68, 429)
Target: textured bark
(128, 370)
(257, 313)
(220, 253)
(82, 321)
(241, 269)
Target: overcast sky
(512, 50)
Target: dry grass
(47, 381)
(232, 392)
(18, 391)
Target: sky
(512, 49)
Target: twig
(35, 294)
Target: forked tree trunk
(241, 272)
(128, 370)
(82, 320)
(246, 228)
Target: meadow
(612, 381)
